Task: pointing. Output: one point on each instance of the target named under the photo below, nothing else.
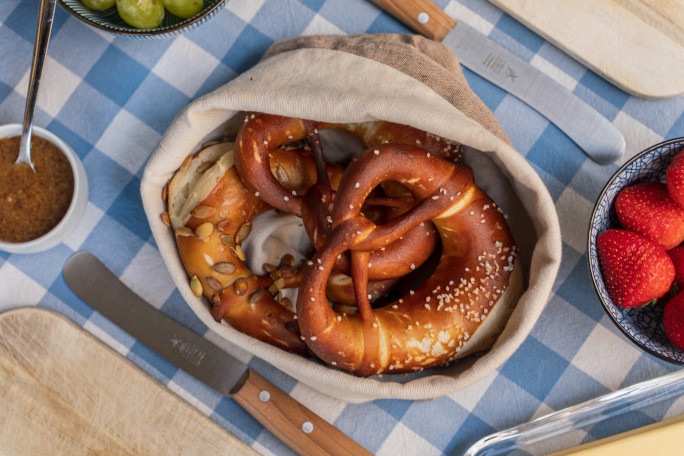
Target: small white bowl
(78, 202)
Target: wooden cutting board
(63, 392)
(638, 45)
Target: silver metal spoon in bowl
(45, 17)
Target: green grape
(142, 14)
(98, 4)
(184, 8)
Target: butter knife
(591, 131)
(297, 426)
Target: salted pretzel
(457, 311)
(261, 134)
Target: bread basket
(398, 78)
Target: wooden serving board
(638, 45)
(63, 392)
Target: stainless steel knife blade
(102, 290)
(297, 426)
(591, 131)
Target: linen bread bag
(404, 79)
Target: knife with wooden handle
(591, 131)
(297, 426)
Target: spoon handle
(45, 17)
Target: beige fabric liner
(403, 79)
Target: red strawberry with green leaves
(636, 270)
(675, 178)
(648, 209)
(677, 257)
(673, 320)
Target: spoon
(45, 16)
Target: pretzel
(457, 311)
(263, 133)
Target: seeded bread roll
(210, 211)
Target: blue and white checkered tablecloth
(112, 98)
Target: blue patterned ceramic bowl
(110, 21)
(643, 326)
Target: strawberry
(649, 209)
(636, 270)
(673, 320)
(675, 178)
(677, 257)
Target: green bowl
(110, 21)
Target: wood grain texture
(287, 418)
(638, 45)
(66, 393)
(436, 27)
